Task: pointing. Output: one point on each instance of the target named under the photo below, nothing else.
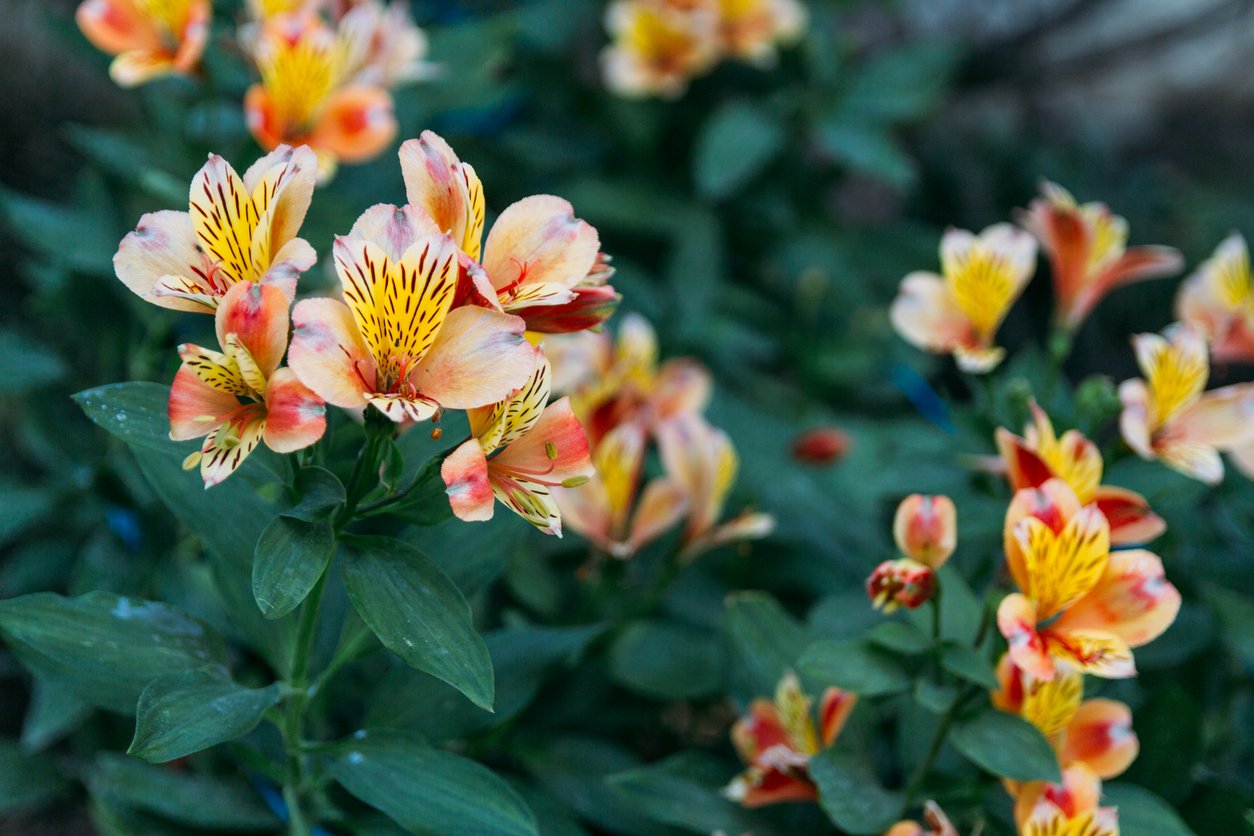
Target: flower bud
(926, 528)
(821, 445)
(900, 583)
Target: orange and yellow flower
(751, 29)
(1040, 455)
(1079, 603)
(519, 450)
(539, 261)
(238, 230)
(1066, 809)
(239, 396)
(777, 739)
(1088, 252)
(396, 342)
(925, 529)
(1168, 415)
(151, 38)
(658, 46)
(960, 311)
(936, 823)
(1218, 301)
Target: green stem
(294, 719)
(933, 749)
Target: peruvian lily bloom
(751, 29)
(777, 739)
(308, 97)
(611, 510)
(519, 450)
(1080, 603)
(1096, 733)
(1168, 415)
(239, 397)
(1066, 809)
(1218, 301)
(657, 47)
(1088, 252)
(151, 38)
(396, 342)
(925, 528)
(936, 824)
(539, 261)
(960, 311)
(385, 48)
(1041, 455)
(238, 230)
(703, 462)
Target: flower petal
(498, 425)
(257, 315)
(586, 510)
(357, 124)
(1131, 520)
(226, 447)
(1063, 566)
(1016, 619)
(1133, 600)
(926, 316)
(117, 26)
(1222, 418)
(214, 368)
(530, 500)
(538, 240)
(327, 353)
(224, 218)
(465, 474)
(555, 447)
(834, 710)
(394, 229)
(479, 357)
(1101, 737)
(281, 185)
(446, 188)
(662, 504)
(195, 407)
(295, 416)
(1094, 652)
(163, 246)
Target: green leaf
(291, 555)
(102, 647)
(27, 781)
(902, 83)
(965, 663)
(53, 713)
(418, 614)
(899, 637)
(683, 791)
(186, 712)
(1007, 746)
(26, 364)
(133, 412)
(765, 640)
(206, 801)
(1141, 813)
(850, 793)
(319, 494)
(868, 148)
(855, 666)
(426, 503)
(426, 790)
(934, 697)
(668, 660)
(734, 146)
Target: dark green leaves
(856, 666)
(186, 712)
(849, 792)
(428, 791)
(27, 780)
(204, 801)
(1141, 813)
(765, 640)
(736, 144)
(134, 412)
(1006, 746)
(418, 614)
(668, 660)
(965, 663)
(102, 647)
(291, 555)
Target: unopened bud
(821, 445)
(900, 583)
(926, 528)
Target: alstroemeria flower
(611, 510)
(238, 230)
(703, 462)
(937, 824)
(1066, 809)
(1041, 455)
(396, 342)
(925, 528)
(959, 313)
(1218, 301)
(385, 48)
(1079, 602)
(150, 38)
(1088, 252)
(777, 739)
(519, 450)
(307, 95)
(900, 583)
(1168, 415)
(751, 29)
(657, 47)
(1096, 733)
(537, 255)
(239, 396)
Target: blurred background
(761, 222)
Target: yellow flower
(1218, 301)
(959, 313)
(658, 46)
(751, 29)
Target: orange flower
(777, 739)
(150, 38)
(1088, 252)
(1066, 809)
(1079, 602)
(1041, 455)
(938, 824)
(658, 46)
(925, 528)
(1218, 301)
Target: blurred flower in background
(151, 38)
(1218, 301)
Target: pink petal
(465, 474)
(559, 432)
(539, 240)
(164, 245)
(434, 182)
(327, 353)
(394, 229)
(195, 407)
(1133, 600)
(257, 315)
(295, 416)
(478, 358)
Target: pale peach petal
(402, 408)
(117, 26)
(1197, 461)
(295, 416)
(925, 315)
(327, 353)
(131, 69)
(465, 474)
(662, 504)
(925, 529)
(538, 240)
(195, 407)
(1016, 619)
(1129, 514)
(281, 185)
(445, 188)
(394, 229)
(1243, 458)
(1133, 600)
(164, 245)
(257, 315)
(1101, 737)
(1223, 418)
(554, 449)
(976, 360)
(479, 357)
(586, 511)
(357, 124)
(681, 386)
(1134, 420)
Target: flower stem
(294, 719)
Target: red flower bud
(900, 583)
(926, 528)
(821, 445)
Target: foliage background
(762, 224)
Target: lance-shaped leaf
(849, 792)
(856, 666)
(186, 712)
(1007, 746)
(291, 555)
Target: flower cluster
(324, 67)
(659, 45)
(626, 399)
(926, 531)
(428, 320)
